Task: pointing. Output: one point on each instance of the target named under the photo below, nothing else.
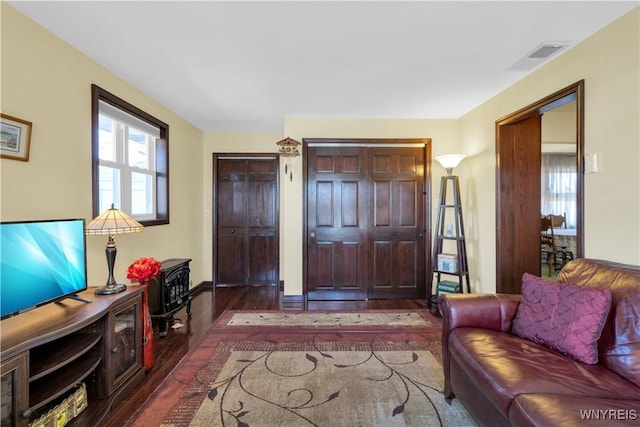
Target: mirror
(558, 189)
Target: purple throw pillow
(566, 318)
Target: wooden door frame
(214, 211)
(572, 92)
(368, 142)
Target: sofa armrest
(487, 311)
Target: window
(563, 183)
(559, 180)
(130, 160)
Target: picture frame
(15, 138)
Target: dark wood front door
(337, 223)
(365, 222)
(246, 220)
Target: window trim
(162, 153)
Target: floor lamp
(453, 232)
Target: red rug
(296, 369)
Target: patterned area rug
(331, 370)
(303, 319)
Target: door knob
(312, 234)
(233, 231)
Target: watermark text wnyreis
(608, 414)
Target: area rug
(342, 320)
(261, 369)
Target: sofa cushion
(619, 344)
(565, 317)
(505, 366)
(532, 410)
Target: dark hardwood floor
(205, 309)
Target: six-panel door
(246, 223)
(365, 222)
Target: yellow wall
(443, 132)
(559, 127)
(609, 63)
(47, 82)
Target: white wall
(609, 63)
(47, 82)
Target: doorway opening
(519, 204)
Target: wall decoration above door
(288, 148)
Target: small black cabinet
(169, 292)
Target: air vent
(545, 50)
(538, 56)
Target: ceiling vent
(538, 56)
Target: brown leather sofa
(505, 380)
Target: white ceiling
(243, 66)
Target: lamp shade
(450, 160)
(113, 221)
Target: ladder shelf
(455, 264)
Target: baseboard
(207, 284)
(293, 298)
(298, 300)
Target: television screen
(40, 262)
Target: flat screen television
(40, 262)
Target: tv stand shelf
(48, 351)
(50, 357)
(49, 388)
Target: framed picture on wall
(15, 137)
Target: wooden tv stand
(47, 351)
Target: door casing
(509, 235)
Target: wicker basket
(65, 411)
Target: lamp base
(110, 289)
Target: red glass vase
(147, 330)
